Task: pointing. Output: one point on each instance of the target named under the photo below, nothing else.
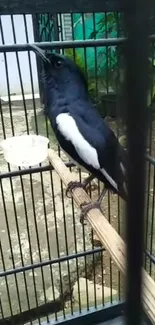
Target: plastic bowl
(25, 150)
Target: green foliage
(111, 25)
(74, 55)
(110, 65)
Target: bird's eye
(58, 64)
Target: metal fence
(51, 266)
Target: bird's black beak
(39, 52)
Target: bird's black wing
(94, 142)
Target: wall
(20, 31)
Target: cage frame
(30, 7)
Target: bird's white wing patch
(68, 128)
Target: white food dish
(25, 150)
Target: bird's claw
(73, 185)
(86, 207)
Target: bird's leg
(77, 184)
(88, 206)
(88, 180)
(102, 195)
(73, 185)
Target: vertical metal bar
(29, 239)
(136, 21)
(75, 244)
(117, 85)
(83, 230)
(20, 75)
(6, 282)
(149, 172)
(10, 241)
(19, 241)
(2, 121)
(74, 225)
(1, 307)
(56, 28)
(35, 21)
(152, 221)
(61, 30)
(110, 260)
(96, 74)
(7, 77)
(57, 236)
(38, 38)
(31, 74)
(86, 71)
(107, 56)
(66, 244)
(47, 233)
(107, 92)
(73, 37)
(102, 277)
(11, 183)
(37, 235)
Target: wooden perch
(106, 233)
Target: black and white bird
(81, 132)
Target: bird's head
(61, 76)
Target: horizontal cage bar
(51, 262)
(64, 44)
(61, 6)
(67, 44)
(33, 170)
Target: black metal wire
(152, 222)
(73, 204)
(20, 75)
(118, 23)
(35, 170)
(57, 238)
(31, 75)
(67, 44)
(37, 235)
(47, 235)
(149, 165)
(107, 92)
(86, 73)
(7, 77)
(6, 282)
(32, 170)
(66, 245)
(76, 253)
(1, 308)
(11, 248)
(30, 246)
(96, 100)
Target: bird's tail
(122, 191)
(123, 181)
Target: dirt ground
(38, 222)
